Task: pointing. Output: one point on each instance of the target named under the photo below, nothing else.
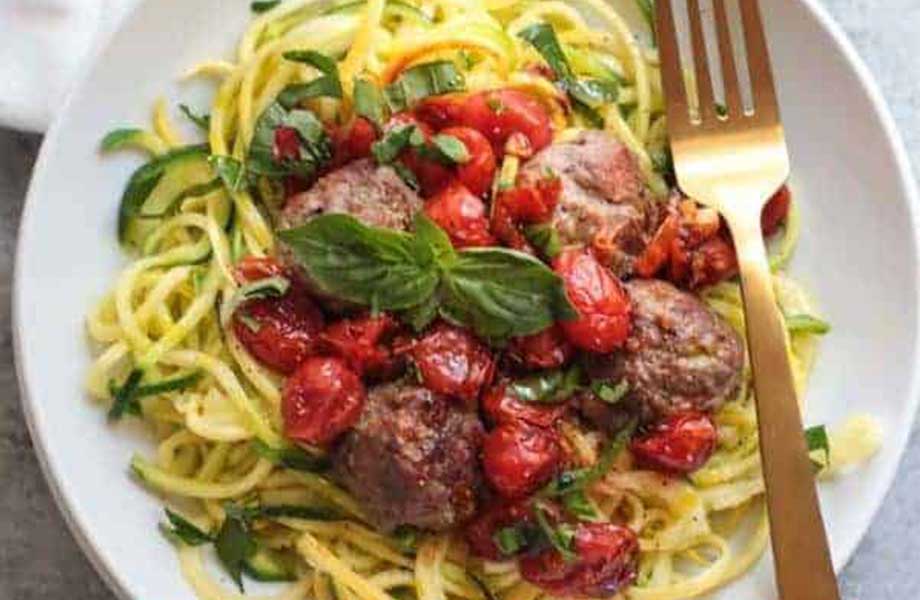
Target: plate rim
(80, 529)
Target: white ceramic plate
(859, 253)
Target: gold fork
(734, 160)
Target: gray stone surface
(40, 560)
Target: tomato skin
(478, 172)
(480, 531)
(451, 361)
(711, 262)
(498, 114)
(658, 251)
(462, 215)
(353, 142)
(518, 458)
(360, 342)
(600, 299)
(279, 332)
(606, 561)
(439, 112)
(681, 443)
(529, 202)
(500, 406)
(321, 400)
(286, 144)
(776, 211)
(547, 349)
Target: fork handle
(800, 552)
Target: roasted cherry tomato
(353, 142)
(279, 332)
(500, 405)
(439, 112)
(711, 262)
(776, 211)
(518, 458)
(606, 561)
(658, 251)
(361, 343)
(529, 202)
(478, 172)
(452, 361)
(681, 443)
(462, 215)
(432, 176)
(480, 532)
(545, 350)
(498, 114)
(321, 400)
(600, 299)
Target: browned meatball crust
(603, 193)
(680, 356)
(412, 459)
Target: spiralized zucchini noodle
(165, 352)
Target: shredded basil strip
(203, 121)
(369, 102)
(446, 149)
(314, 146)
(184, 531)
(549, 387)
(118, 138)
(578, 504)
(545, 238)
(261, 6)
(230, 170)
(328, 85)
(578, 479)
(234, 543)
(561, 536)
(127, 395)
(818, 442)
(387, 149)
(510, 540)
(421, 81)
(610, 393)
(407, 538)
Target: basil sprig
(587, 94)
(497, 292)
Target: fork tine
(730, 80)
(762, 87)
(707, 101)
(672, 76)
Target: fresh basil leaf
(234, 543)
(261, 6)
(369, 102)
(230, 171)
(328, 85)
(293, 457)
(119, 138)
(609, 392)
(421, 81)
(545, 238)
(182, 530)
(502, 293)
(590, 115)
(543, 38)
(369, 266)
(663, 163)
(315, 147)
(203, 121)
(422, 315)
(548, 387)
(407, 538)
(124, 400)
(560, 536)
(806, 324)
(393, 143)
(578, 479)
(432, 238)
(580, 506)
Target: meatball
(412, 459)
(373, 194)
(680, 356)
(603, 193)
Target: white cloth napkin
(42, 45)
